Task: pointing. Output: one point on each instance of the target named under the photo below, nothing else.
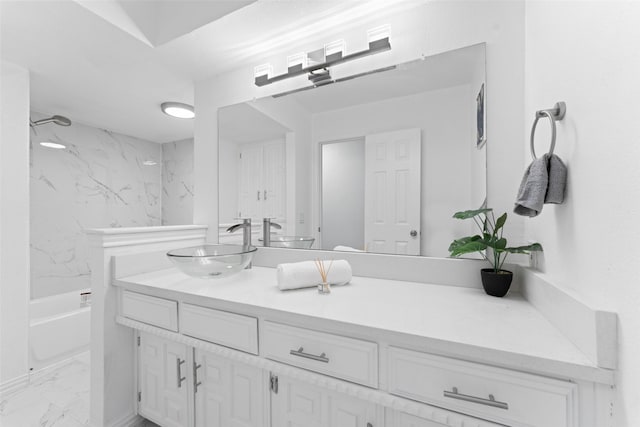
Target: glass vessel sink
(212, 261)
(294, 242)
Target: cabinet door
(274, 180)
(228, 393)
(250, 198)
(400, 419)
(162, 381)
(297, 404)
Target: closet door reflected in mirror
(332, 178)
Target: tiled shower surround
(177, 182)
(99, 180)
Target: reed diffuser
(323, 286)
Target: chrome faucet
(266, 231)
(246, 232)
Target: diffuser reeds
(323, 286)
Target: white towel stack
(305, 274)
(346, 249)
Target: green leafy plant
(490, 238)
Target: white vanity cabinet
(163, 381)
(247, 366)
(179, 386)
(228, 393)
(295, 403)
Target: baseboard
(13, 385)
(130, 420)
(37, 374)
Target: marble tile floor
(57, 398)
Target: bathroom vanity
(377, 352)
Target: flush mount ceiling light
(178, 109)
(55, 145)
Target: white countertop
(464, 321)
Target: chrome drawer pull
(491, 401)
(180, 378)
(300, 353)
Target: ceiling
(111, 63)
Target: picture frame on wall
(481, 119)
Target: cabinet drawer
(495, 394)
(152, 310)
(347, 358)
(220, 327)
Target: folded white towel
(346, 249)
(305, 274)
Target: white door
(250, 197)
(229, 394)
(273, 193)
(392, 192)
(262, 180)
(162, 381)
(297, 404)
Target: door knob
(413, 233)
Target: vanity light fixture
(334, 53)
(178, 109)
(55, 145)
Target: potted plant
(495, 280)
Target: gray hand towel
(557, 180)
(533, 188)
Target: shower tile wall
(177, 182)
(99, 180)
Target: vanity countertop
(459, 321)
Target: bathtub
(59, 328)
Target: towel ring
(554, 114)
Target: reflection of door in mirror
(262, 181)
(252, 169)
(392, 192)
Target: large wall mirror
(377, 162)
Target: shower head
(59, 120)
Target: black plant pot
(496, 284)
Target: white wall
(587, 54)
(14, 222)
(426, 28)
(98, 180)
(177, 182)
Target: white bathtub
(59, 328)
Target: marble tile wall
(99, 180)
(177, 182)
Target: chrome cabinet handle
(265, 195)
(196, 383)
(491, 401)
(258, 194)
(300, 353)
(180, 378)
